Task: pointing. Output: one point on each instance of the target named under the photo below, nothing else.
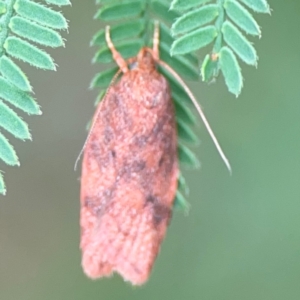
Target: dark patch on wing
(138, 165)
(158, 127)
(151, 199)
(102, 157)
(113, 153)
(108, 134)
(161, 160)
(161, 212)
(92, 203)
(130, 167)
(97, 204)
(95, 149)
(153, 134)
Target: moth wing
(128, 184)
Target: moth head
(145, 59)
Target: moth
(130, 169)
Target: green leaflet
(186, 133)
(10, 121)
(59, 2)
(23, 50)
(186, 4)
(175, 87)
(40, 14)
(36, 33)
(209, 68)
(165, 34)
(194, 40)
(161, 9)
(7, 153)
(166, 41)
(14, 74)
(182, 111)
(260, 6)
(179, 63)
(118, 32)
(181, 100)
(2, 185)
(18, 98)
(126, 48)
(195, 18)
(179, 95)
(180, 202)
(3, 10)
(105, 1)
(231, 70)
(117, 11)
(241, 46)
(187, 157)
(104, 78)
(182, 185)
(99, 97)
(241, 17)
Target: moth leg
(155, 51)
(120, 61)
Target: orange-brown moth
(130, 170)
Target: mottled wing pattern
(129, 177)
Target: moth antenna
(120, 61)
(95, 118)
(155, 51)
(200, 112)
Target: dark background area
(241, 239)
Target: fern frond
(220, 22)
(23, 22)
(131, 28)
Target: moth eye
(133, 65)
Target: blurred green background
(241, 239)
